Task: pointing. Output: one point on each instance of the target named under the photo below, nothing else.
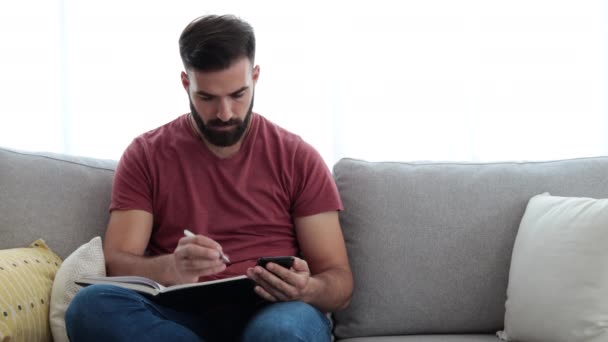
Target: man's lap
(125, 313)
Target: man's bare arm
(126, 241)
(322, 245)
(324, 280)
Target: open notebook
(214, 291)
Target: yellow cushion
(26, 280)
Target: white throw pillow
(558, 280)
(85, 261)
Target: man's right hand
(127, 239)
(195, 257)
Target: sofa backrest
(430, 243)
(63, 200)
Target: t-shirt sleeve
(315, 189)
(132, 185)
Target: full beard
(222, 138)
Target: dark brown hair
(213, 42)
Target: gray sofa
(429, 243)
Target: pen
(222, 255)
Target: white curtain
(466, 80)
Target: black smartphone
(285, 261)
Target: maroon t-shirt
(246, 202)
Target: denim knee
(111, 313)
(84, 299)
(92, 306)
(288, 321)
(95, 299)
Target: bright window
(470, 80)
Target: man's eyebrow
(240, 90)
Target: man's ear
(256, 74)
(185, 81)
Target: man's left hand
(279, 284)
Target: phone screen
(285, 261)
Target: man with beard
(246, 187)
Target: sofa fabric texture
(61, 199)
(425, 338)
(430, 243)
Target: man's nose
(223, 111)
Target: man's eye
(205, 98)
(237, 95)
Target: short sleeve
(132, 185)
(315, 190)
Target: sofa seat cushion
(426, 338)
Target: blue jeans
(111, 313)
